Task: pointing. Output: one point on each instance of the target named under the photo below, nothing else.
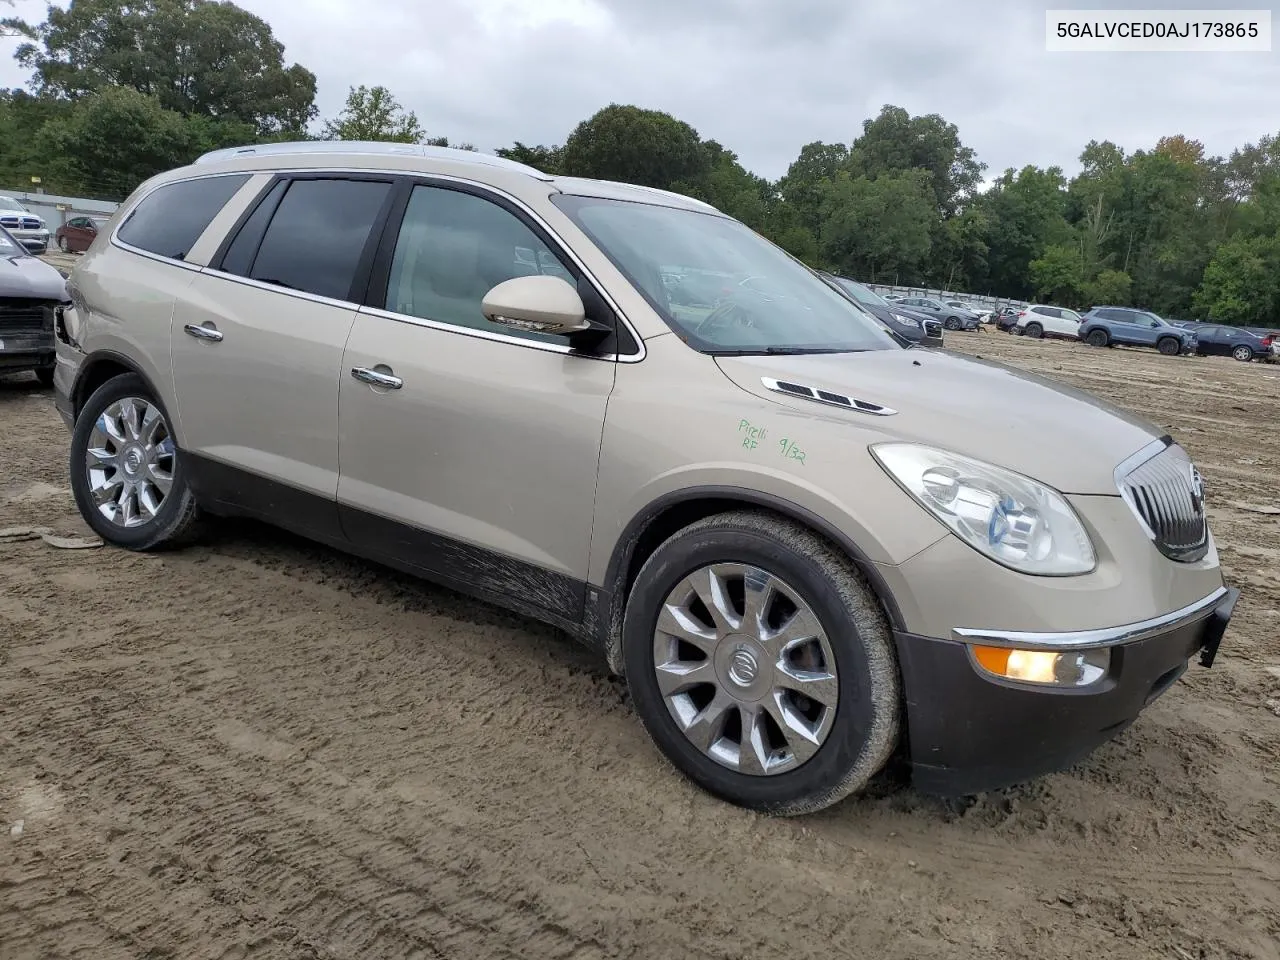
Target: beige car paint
(511, 431)
(265, 397)
(489, 442)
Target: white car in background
(1039, 320)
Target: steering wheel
(728, 313)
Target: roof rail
(671, 193)
(368, 148)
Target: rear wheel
(127, 474)
(1035, 330)
(1242, 353)
(1169, 346)
(761, 664)
(1097, 338)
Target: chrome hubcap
(129, 462)
(745, 669)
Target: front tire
(952, 323)
(63, 245)
(127, 474)
(1169, 346)
(761, 664)
(1242, 353)
(45, 376)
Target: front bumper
(26, 338)
(969, 731)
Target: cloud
(764, 77)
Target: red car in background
(76, 234)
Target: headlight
(909, 321)
(1012, 519)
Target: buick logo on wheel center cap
(743, 668)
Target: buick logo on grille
(1197, 490)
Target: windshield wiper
(784, 351)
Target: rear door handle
(376, 378)
(203, 333)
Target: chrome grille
(932, 328)
(1166, 493)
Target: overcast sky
(764, 77)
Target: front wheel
(761, 664)
(952, 323)
(63, 245)
(1242, 353)
(45, 376)
(127, 474)
(1169, 346)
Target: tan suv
(617, 410)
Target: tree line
(120, 92)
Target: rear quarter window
(169, 220)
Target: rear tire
(1169, 346)
(1098, 338)
(1035, 331)
(711, 683)
(1242, 353)
(127, 474)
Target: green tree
(1026, 212)
(1241, 283)
(895, 141)
(115, 139)
(194, 56)
(879, 228)
(1057, 274)
(546, 159)
(802, 185)
(1109, 287)
(373, 113)
(633, 145)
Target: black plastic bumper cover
(968, 733)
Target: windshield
(723, 288)
(861, 293)
(10, 247)
(7, 203)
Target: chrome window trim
(394, 174)
(1087, 639)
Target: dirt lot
(257, 747)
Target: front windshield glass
(10, 247)
(6, 203)
(719, 285)
(861, 293)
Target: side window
(170, 220)
(316, 237)
(455, 247)
(1116, 316)
(238, 258)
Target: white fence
(56, 210)
(977, 300)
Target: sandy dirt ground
(257, 747)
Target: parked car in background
(804, 547)
(1006, 318)
(1040, 320)
(1126, 326)
(983, 315)
(24, 226)
(925, 331)
(78, 233)
(953, 318)
(31, 292)
(1224, 341)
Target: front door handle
(376, 378)
(203, 333)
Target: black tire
(1098, 338)
(45, 376)
(867, 720)
(1242, 353)
(1035, 331)
(952, 323)
(1169, 346)
(176, 520)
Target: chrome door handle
(203, 333)
(377, 379)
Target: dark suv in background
(1129, 327)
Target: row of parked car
(1106, 326)
(32, 233)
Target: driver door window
(455, 247)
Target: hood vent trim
(828, 397)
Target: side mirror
(538, 304)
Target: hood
(1053, 433)
(32, 278)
